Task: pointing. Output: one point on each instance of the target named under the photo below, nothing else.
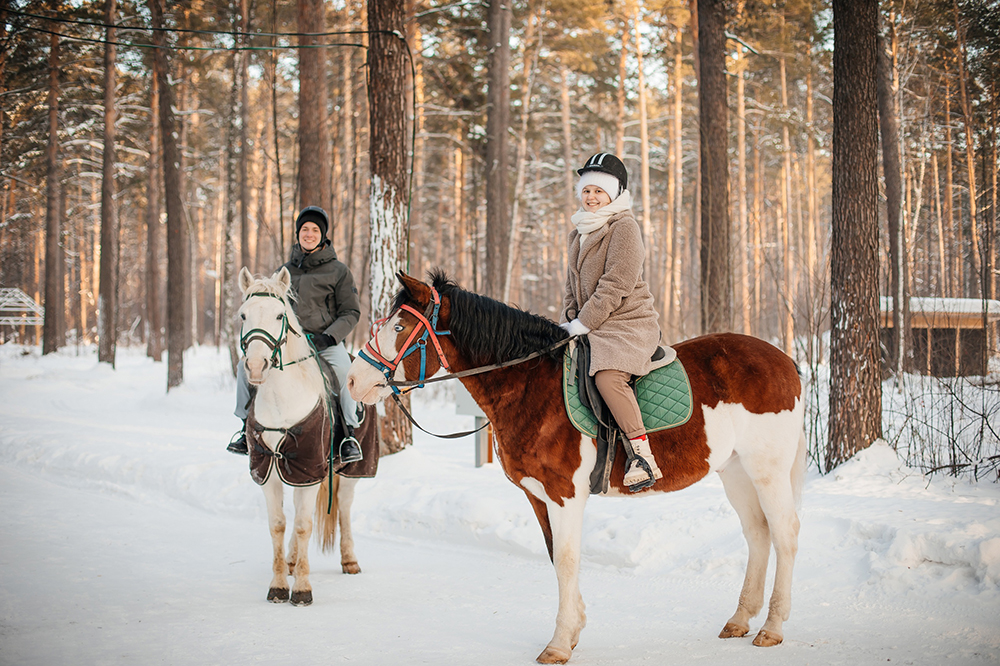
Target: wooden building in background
(950, 337)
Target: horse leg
(565, 519)
(774, 477)
(345, 497)
(273, 495)
(743, 496)
(305, 501)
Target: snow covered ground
(129, 536)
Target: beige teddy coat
(606, 292)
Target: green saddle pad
(664, 397)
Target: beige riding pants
(614, 388)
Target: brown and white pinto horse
(746, 426)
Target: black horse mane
(488, 331)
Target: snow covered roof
(17, 308)
(944, 312)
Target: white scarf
(587, 222)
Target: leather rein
(427, 322)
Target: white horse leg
(743, 496)
(779, 507)
(274, 496)
(305, 501)
(345, 497)
(566, 524)
(773, 471)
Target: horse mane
(488, 331)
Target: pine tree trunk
(414, 38)
(52, 328)
(154, 184)
(970, 152)
(742, 280)
(674, 307)
(107, 323)
(716, 276)
(647, 216)
(942, 273)
(314, 135)
(565, 113)
(813, 304)
(531, 49)
(855, 390)
(892, 170)
(244, 59)
(785, 223)
(957, 277)
(175, 213)
(620, 94)
(497, 124)
(387, 70)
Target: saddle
(663, 395)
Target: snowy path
(130, 537)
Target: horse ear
(417, 289)
(246, 279)
(284, 278)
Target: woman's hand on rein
(575, 328)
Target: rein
(428, 322)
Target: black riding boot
(238, 444)
(350, 450)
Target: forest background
(268, 120)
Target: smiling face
(594, 198)
(309, 236)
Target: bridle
(273, 343)
(427, 322)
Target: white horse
(279, 362)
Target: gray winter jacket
(326, 300)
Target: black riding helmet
(609, 164)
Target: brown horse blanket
(302, 455)
(367, 436)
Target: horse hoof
(277, 595)
(350, 567)
(766, 639)
(733, 630)
(551, 655)
(302, 598)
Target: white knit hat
(605, 181)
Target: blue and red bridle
(427, 322)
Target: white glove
(575, 328)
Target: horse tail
(799, 468)
(326, 521)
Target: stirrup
(238, 444)
(645, 483)
(350, 450)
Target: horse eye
(398, 328)
(243, 316)
(279, 317)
